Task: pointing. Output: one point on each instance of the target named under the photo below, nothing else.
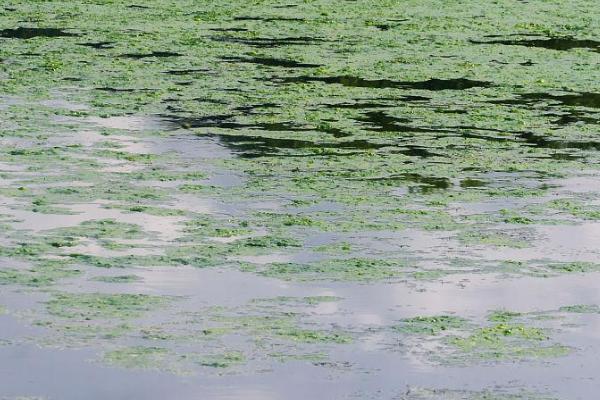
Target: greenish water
(317, 199)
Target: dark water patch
(122, 90)
(572, 117)
(555, 43)
(391, 102)
(515, 34)
(583, 99)
(538, 140)
(29, 33)
(379, 121)
(271, 62)
(250, 108)
(358, 106)
(98, 45)
(229, 29)
(387, 26)
(335, 132)
(449, 111)
(429, 84)
(257, 146)
(527, 63)
(227, 122)
(154, 54)
(472, 183)
(269, 19)
(430, 181)
(186, 71)
(270, 42)
(209, 100)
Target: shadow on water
(379, 121)
(122, 90)
(556, 43)
(29, 33)
(229, 29)
(269, 42)
(269, 19)
(257, 145)
(271, 62)
(386, 123)
(429, 181)
(226, 122)
(260, 146)
(583, 99)
(187, 71)
(98, 45)
(154, 54)
(378, 103)
(430, 84)
(564, 117)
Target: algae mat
(316, 199)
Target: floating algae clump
(353, 269)
(506, 342)
(430, 325)
(90, 306)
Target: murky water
(353, 200)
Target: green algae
(352, 269)
(118, 279)
(497, 239)
(92, 306)
(506, 336)
(581, 309)
(222, 360)
(419, 393)
(100, 229)
(312, 336)
(507, 342)
(137, 357)
(430, 325)
(503, 316)
(304, 138)
(44, 273)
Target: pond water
(354, 200)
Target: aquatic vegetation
(581, 309)
(99, 229)
(118, 279)
(430, 325)
(506, 336)
(507, 341)
(224, 360)
(137, 357)
(350, 148)
(498, 238)
(419, 393)
(353, 269)
(43, 273)
(93, 306)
